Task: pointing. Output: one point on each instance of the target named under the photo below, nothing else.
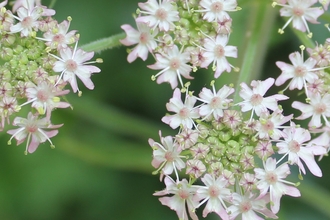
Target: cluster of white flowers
(39, 58)
(223, 156)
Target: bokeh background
(101, 168)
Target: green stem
(113, 153)
(315, 196)
(52, 4)
(256, 40)
(104, 44)
(302, 36)
(115, 120)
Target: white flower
(216, 51)
(216, 10)
(166, 156)
(161, 14)
(272, 178)
(254, 99)
(72, 64)
(300, 11)
(143, 37)
(292, 145)
(318, 107)
(185, 112)
(215, 102)
(173, 64)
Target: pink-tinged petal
(309, 160)
(3, 4)
(33, 145)
(132, 35)
(261, 87)
(312, 14)
(275, 197)
(231, 51)
(292, 191)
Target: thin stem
(115, 120)
(52, 4)
(104, 44)
(315, 196)
(256, 40)
(111, 153)
(302, 36)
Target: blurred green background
(101, 168)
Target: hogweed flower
(29, 70)
(36, 130)
(72, 63)
(300, 11)
(272, 178)
(144, 37)
(160, 14)
(228, 146)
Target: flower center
(71, 65)
(175, 63)
(59, 38)
(256, 99)
(42, 95)
(169, 157)
(320, 108)
(219, 51)
(215, 103)
(184, 113)
(161, 14)
(144, 37)
(31, 128)
(183, 194)
(294, 146)
(300, 71)
(216, 7)
(214, 191)
(27, 22)
(271, 178)
(245, 206)
(297, 11)
(268, 126)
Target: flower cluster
(231, 157)
(183, 36)
(39, 57)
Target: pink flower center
(161, 14)
(320, 108)
(184, 113)
(215, 103)
(294, 146)
(256, 99)
(42, 95)
(59, 38)
(183, 194)
(271, 178)
(219, 51)
(300, 71)
(214, 191)
(169, 156)
(27, 22)
(245, 206)
(144, 37)
(31, 128)
(175, 63)
(71, 65)
(268, 126)
(216, 7)
(297, 11)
